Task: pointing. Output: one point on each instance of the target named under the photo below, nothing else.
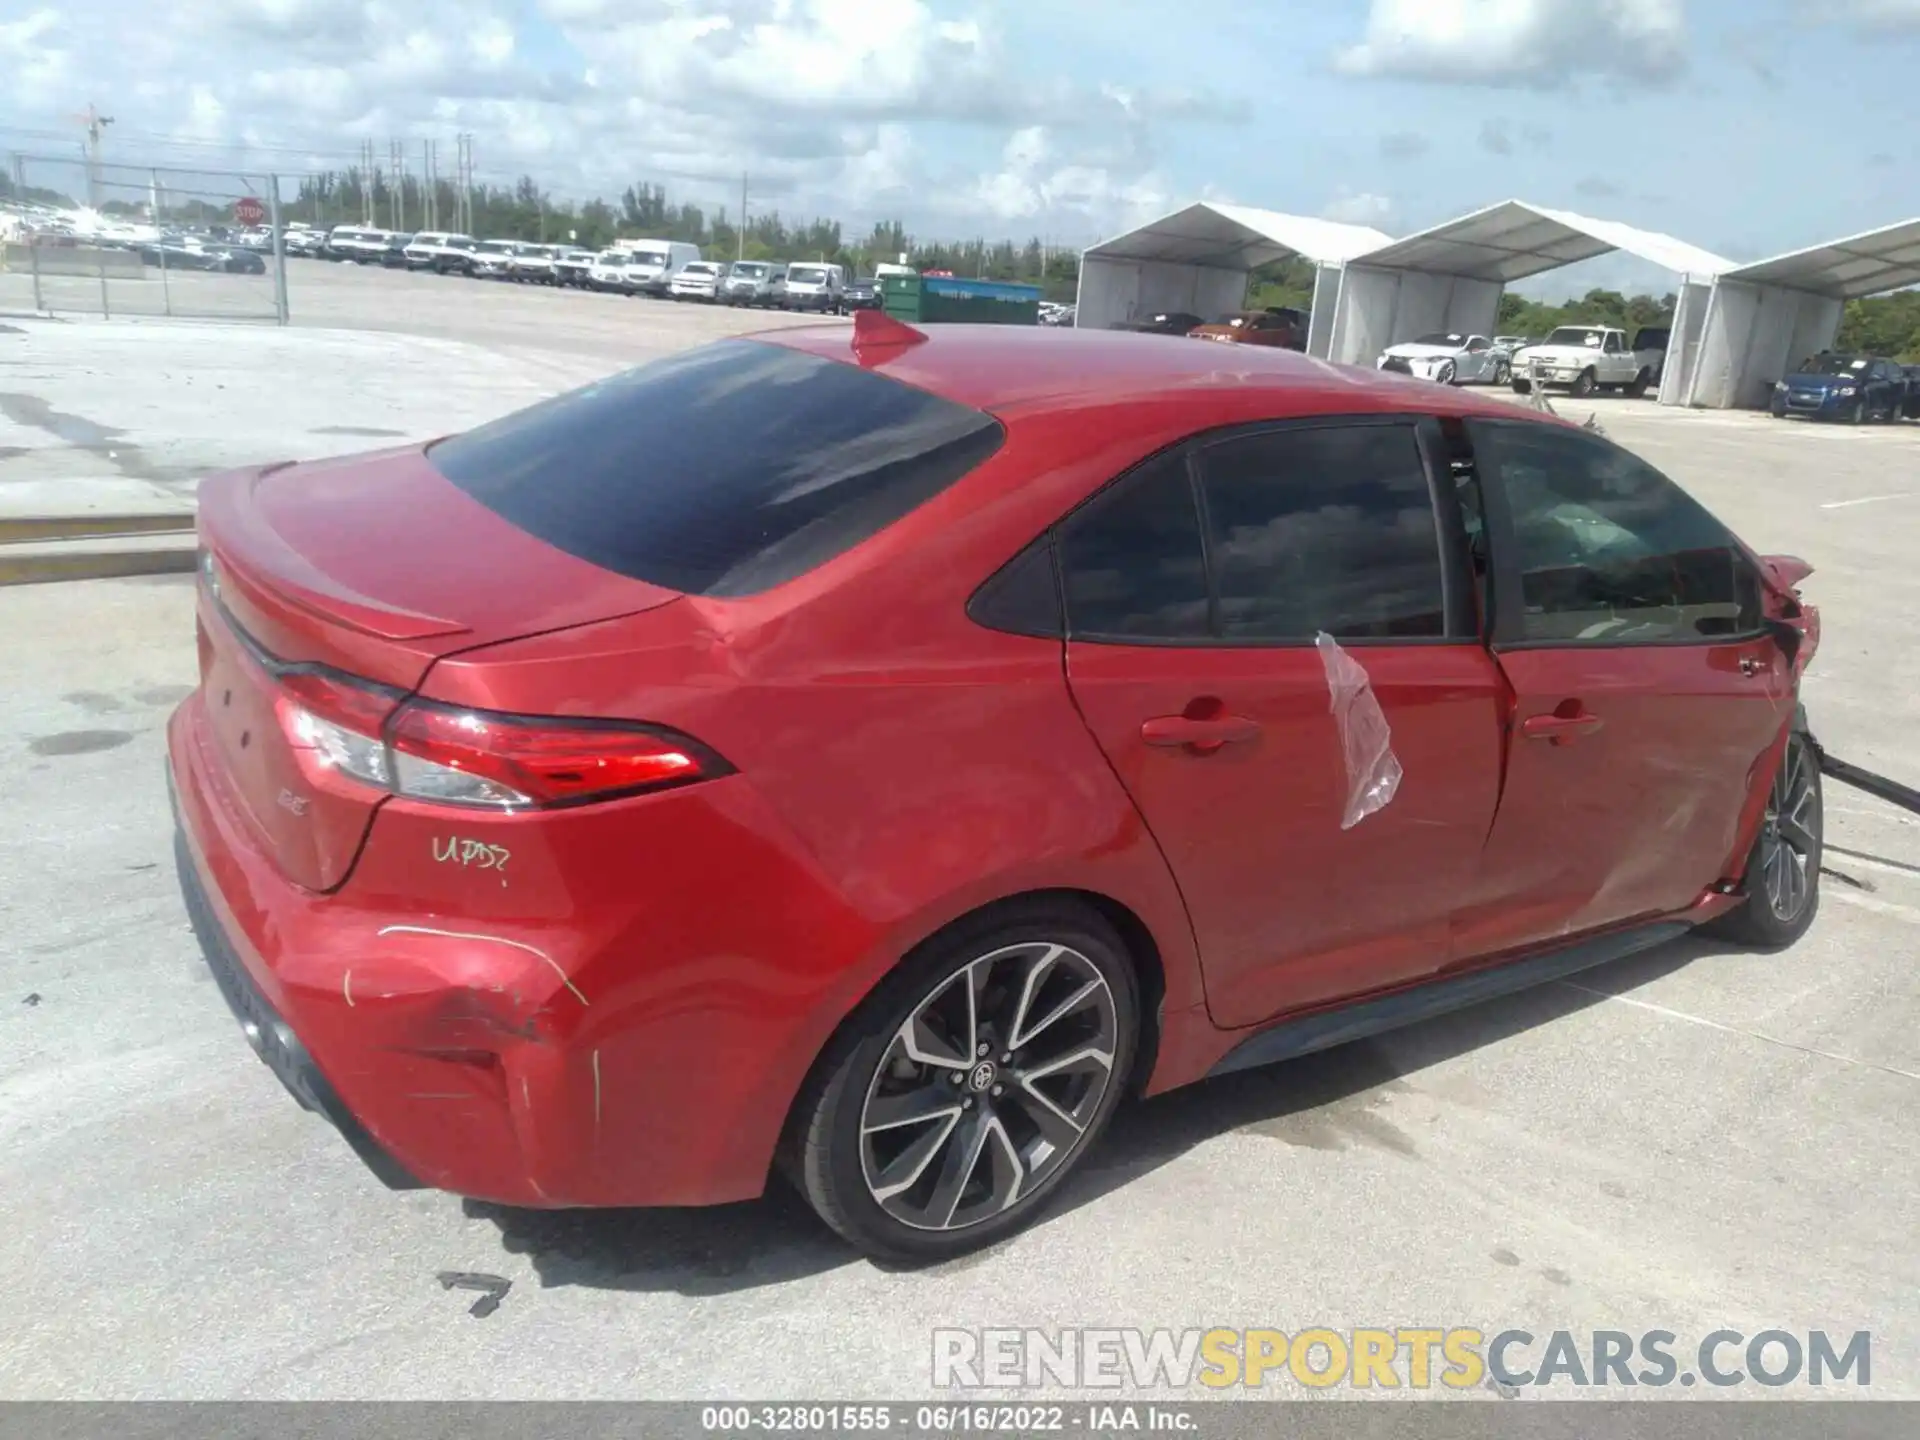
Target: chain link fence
(121, 240)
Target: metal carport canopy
(1514, 240)
(1850, 269)
(1766, 316)
(1450, 278)
(1198, 259)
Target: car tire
(1584, 384)
(1523, 387)
(959, 1176)
(1858, 415)
(1637, 387)
(1782, 877)
(1445, 373)
(1502, 372)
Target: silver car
(754, 282)
(1449, 358)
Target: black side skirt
(1292, 1038)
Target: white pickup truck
(1585, 358)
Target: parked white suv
(698, 281)
(1582, 359)
(608, 271)
(357, 243)
(534, 263)
(439, 251)
(492, 259)
(571, 266)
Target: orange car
(1280, 327)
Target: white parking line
(1866, 500)
(1737, 1030)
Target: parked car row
(1851, 388)
(1277, 326)
(660, 268)
(192, 250)
(1578, 358)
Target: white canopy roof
(1238, 237)
(1870, 264)
(1512, 240)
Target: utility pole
(96, 123)
(466, 183)
(743, 215)
(432, 184)
(397, 204)
(366, 183)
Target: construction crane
(96, 123)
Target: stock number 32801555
(916, 1419)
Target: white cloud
(1537, 43)
(1359, 208)
(836, 106)
(1036, 184)
(32, 61)
(1882, 16)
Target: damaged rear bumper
(272, 1038)
(635, 1048)
(440, 1064)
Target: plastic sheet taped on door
(1366, 740)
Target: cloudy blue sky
(1745, 126)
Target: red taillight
(358, 707)
(481, 758)
(428, 751)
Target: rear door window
(1324, 528)
(721, 471)
(1289, 532)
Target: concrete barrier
(71, 260)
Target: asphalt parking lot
(1693, 1139)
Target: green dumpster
(934, 299)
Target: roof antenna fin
(878, 334)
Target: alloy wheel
(1790, 837)
(988, 1086)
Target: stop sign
(249, 211)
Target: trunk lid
(374, 567)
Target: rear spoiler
(232, 527)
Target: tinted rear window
(721, 471)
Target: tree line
(1883, 325)
(525, 211)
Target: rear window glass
(721, 471)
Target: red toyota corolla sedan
(871, 754)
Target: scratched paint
(565, 979)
